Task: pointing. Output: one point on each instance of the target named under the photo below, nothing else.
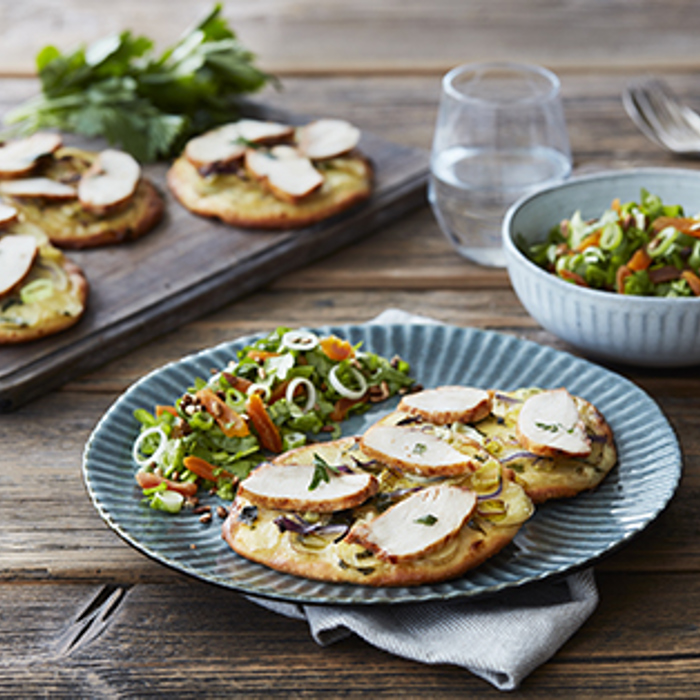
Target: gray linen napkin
(500, 639)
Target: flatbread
(23, 321)
(547, 477)
(251, 530)
(238, 199)
(69, 224)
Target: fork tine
(689, 116)
(650, 109)
(670, 106)
(674, 125)
(637, 114)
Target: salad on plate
(279, 393)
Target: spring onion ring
(611, 236)
(662, 242)
(300, 340)
(261, 389)
(136, 452)
(342, 389)
(168, 501)
(36, 290)
(310, 392)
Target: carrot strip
(230, 422)
(336, 349)
(160, 410)
(639, 261)
(238, 383)
(149, 480)
(267, 431)
(693, 281)
(341, 408)
(260, 355)
(590, 240)
(615, 206)
(691, 227)
(623, 272)
(202, 468)
(573, 277)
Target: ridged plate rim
(562, 537)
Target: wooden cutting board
(189, 266)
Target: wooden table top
(379, 65)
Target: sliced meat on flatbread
(353, 545)
(50, 297)
(66, 196)
(251, 183)
(448, 404)
(534, 452)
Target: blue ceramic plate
(562, 535)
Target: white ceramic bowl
(650, 331)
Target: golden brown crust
(240, 200)
(262, 541)
(72, 226)
(57, 322)
(132, 221)
(466, 551)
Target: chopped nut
(201, 509)
(379, 393)
(221, 512)
(206, 518)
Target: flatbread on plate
(347, 546)
(545, 476)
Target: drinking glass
(500, 134)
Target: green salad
(275, 395)
(644, 248)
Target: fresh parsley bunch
(117, 89)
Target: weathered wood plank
(216, 642)
(395, 36)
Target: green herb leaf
(149, 105)
(322, 471)
(419, 448)
(429, 520)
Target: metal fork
(662, 117)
